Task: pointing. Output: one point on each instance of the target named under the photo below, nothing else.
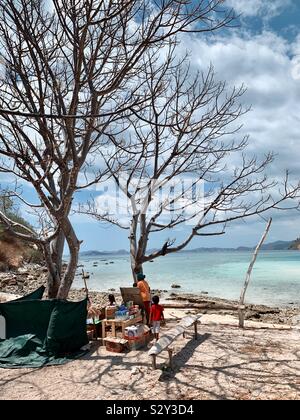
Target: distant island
(94, 253)
(272, 246)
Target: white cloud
(265, 65)
(263, 8)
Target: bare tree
(182, 147)
(72, 71)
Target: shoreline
(31, 276)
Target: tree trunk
(136, 267)
(241, 310)
(74, 246)
(53, 280)
(57, 249)
(140, 249)
(54, 264)
(69, 275)
(133, 246)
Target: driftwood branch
(241, 310)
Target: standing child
(156, 315)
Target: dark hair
(134, 284)
(155, 299)
(111, 298)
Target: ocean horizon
(275, 278)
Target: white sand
(225, 362)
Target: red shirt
(156, 312)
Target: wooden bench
(167, 339)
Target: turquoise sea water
(275, 277)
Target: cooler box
(138, 336)
(134, 330)
(136, 343)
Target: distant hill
(277, 246)
(94, 253)
(272, 246)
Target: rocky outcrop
(30, 277)
(14, 253)
(207, 304)
(23, 280)
(295, 245)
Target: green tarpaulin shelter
(40, 332)
(37, 294)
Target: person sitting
(112, 300)
(93, 312)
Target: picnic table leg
(196, 333)
(95, 329)
(113, 329)
(170, 351)
(153, 361)
(103, 329)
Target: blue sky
(281, 16)
(263, 52)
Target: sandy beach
(258, 362)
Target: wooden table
(119, 323)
